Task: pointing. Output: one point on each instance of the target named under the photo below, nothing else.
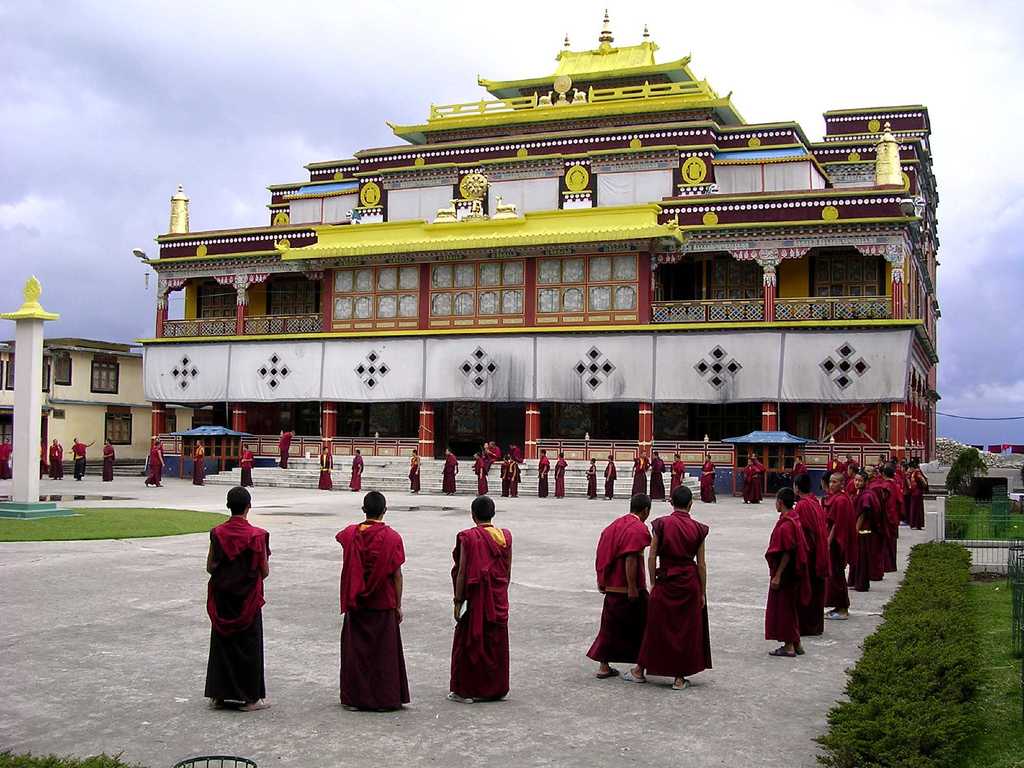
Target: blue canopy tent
(759, 437)
(222, 446)
(776, 448)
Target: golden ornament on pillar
(888, 172)
(179, 212)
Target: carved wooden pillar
(426, 430)
(328, 419)
(646, 430)
(897, 430)
(895, 256)
(532, 450)
(239, 417)
(769, 417)
(158, 420)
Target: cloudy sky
(106, 106)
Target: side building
(602, 260)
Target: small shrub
(10, 760)
(967, 466)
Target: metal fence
(986, 528)
(1015, 577)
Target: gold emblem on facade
(562, 84)
(754, 142)
(338, 175)
(419, 161)
(522, 152)
(694, 170)
(281, 219)
(369, 195)
(635, 144)
(874, 126)
(710, 219)
(853, 157)
(577, 178)
(906, 179)
(830, 213)
(473, 186)
(201, 250)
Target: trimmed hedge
(10, 760)
(911, 694)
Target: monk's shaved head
(374, 505)
(483, 509)
(640, 505)
(682, 497)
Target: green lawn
(110, 523)
(969, 520)
(10, 760)
(1000, 742)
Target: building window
(600, 285)
(214, 300)
(293, 296)
(381, 293)
(847, 273)
(477, 289)
(46, 374)
(171, 420)
(9, 373)
(57, 413)
(118, 426)
(61, 369)
(104, 375)
(732, 279)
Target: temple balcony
(253, 325)
(786, 310)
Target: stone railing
(719, 311)
(261, 325)
(834, 308)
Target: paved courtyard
(104, 646)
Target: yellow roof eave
(533, 82)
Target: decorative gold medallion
(522, 152)
(282, 245)
(853, 157)
(419, 161)
(710, 219)
(874, 126)
(201, 250)
(754, 142)
(562, 84)
(694, 170)
(338, 175)
(577, 178)
(473, 186)
(635, 144)
(830, 213)
(369, 195)
(281, 219)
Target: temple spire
(647, 34)
(888, 171)
(179, 212)
(565, 43)
(605, 39)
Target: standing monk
(5, 460)
(918, 485)
(198, 463)
(560, 466)
(677, 641)
(78, 451)
(355, 483)
(621, 579)
(842, 547)
(799, 468)
(707, 481)
(483, 568)
(790, 584)
(609, 477)
(592, 479)
(753, 485)
(372, 663)
(156, 463)
(448, 473)
(480, 470)
(414, 471)
(44, 468)
(284, 445)
(516, 454)
(893, 513)
(238, 562)
(247, 462)
(326, 482)
(657, 478)
(543, 468)
(56, 461)
(640, 465)
(678, 469)
(506, 475)
(869, 538)
(515, 476)
(812, 520)
(108, 462)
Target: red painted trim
(530, 292)
(645, 279)
(424, 318)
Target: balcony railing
(841, 308)
(720, 311)
(177, 329)
(258, 325)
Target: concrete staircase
(391, 473)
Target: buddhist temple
(604, 259)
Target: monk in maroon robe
(677, 640)
(356, 481)
(506, 475)
(640, 466)
(543, 469)
(283, 446)
(790, 584)
(609, 477)
(247, 462)
(480, 470)
(5, 460)
(326, 482)
(448, 473)
(414, 471)
(56, 461)
(657, 478)
(108, 462)
(918, 485)
(44, 467)
(238, 562)
(560, 467)
(372, 663)
(515, 476)
(620, 578)
(592, 479)
(676, 472)
(707, 481)
(812, 520)
(841, 519)
(868, 565)
(198, 464)
(483, 568)
(515, 454)
(78, 453)
(753, 485)
(156, 464)
(892, 501)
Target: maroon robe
(414, 474)
(57, 462)
(560, 466)
(451, 469)
(480, 470)
(283, 446)
(372, 674)
(356, 481)
(676, 479)
(515, 454)
(198, 465)
(903, 489)
(812, 520)
(918, 486)
(677, 641)
(782, 612)
(44, 468)
(609, 480)
(234, 603)
(841, 519)
(869, 565)
(753, 485)
(622, 620)
(543, 468)
(5, 460)
(506, 475)
(156, 466)
(890, 497)
(798, 469)
(514, 476)
(640, 465)
(657, 479)
(592, 482)
(480, 668)
(707, 482)
(326, 482)
(108, 463)
(246, 463)
(78, 455)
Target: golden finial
(647, 34)
(31, 309)
(179, 212)
(33, 290)
(605, 39)
(565, 43)
(888, 171)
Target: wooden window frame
(312, 298)
(58, 358)
(586, 311)
(105, 361)
(114, 415)
(223, 295)
(475, 290)
(375, 294)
